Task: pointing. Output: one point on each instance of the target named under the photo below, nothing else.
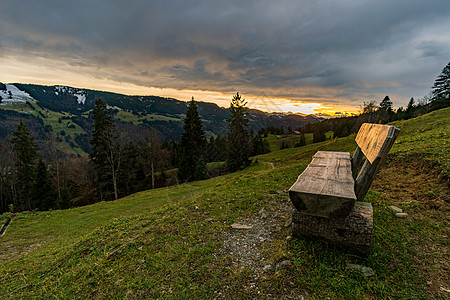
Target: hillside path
(249, 241)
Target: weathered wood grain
(326, 187)
(356, 161)
(368, 171)
(374, 139)
(353, 232)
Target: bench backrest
(374, 141)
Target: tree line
(117, 166)
(372, 112)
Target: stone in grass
(267, 268)
(288, 223)
(289, 239)
(240, 226)
(401, 215)
(396, 209)
(364, 271)
(285, 264)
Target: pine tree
(260, 146)
(192, 161)
(441, 89)
(43, 195)
(289, 130)
(319, 130)
(386, 105)
(411, 105)
(319, 136)
(25, 151)
(302, 141)
(104, 155)
(239, 142)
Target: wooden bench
(325, 194)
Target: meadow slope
(177, 242)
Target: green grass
(51, 118)
(166, 243)
(428, 139)
(129, 117)
(290, 139)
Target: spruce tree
(319, 136)
(301, 141)
(103, 154)
(441, 89)
(409, 112)
(386, 105)
(319, 130)
(43, 195)
(25, 151)
(411, 105)
(191, 160)
(260, 146)
(239, 142)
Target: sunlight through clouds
(332, 55)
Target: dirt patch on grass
(246, 245)
(420, 191)
(411, 180)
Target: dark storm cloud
(353, 49)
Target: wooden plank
(356, 161)
(373, 139)
(370, 169)
(326, 187)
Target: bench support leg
(353, 232)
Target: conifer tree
(411, 105)
(386, 105)
(239, 142)
(43, 195)
(25, 151)
(319, 136)
(103, 154)
(319, 130)
(260, 146)
(191, 160)
(441, 89)
(301, 141)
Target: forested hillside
(54, 109)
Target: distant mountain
(65, 111)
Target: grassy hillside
(177, 242)
(62, 126)
(289, 139)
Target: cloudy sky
(297, 55)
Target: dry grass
(420, 190)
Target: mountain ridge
(133, 114)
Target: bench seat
(326, 187)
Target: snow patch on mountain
(13, 95)
(80, 95)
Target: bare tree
(369, 107)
